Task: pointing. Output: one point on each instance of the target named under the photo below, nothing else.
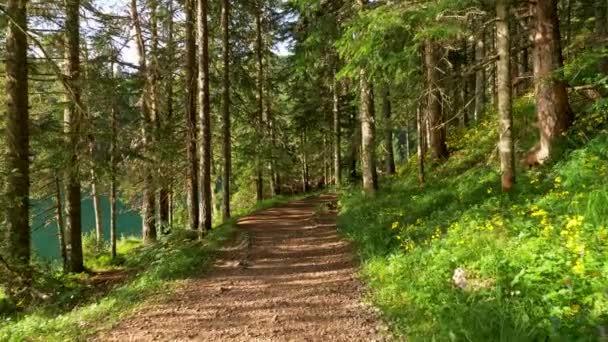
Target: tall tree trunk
(439, 150)
(86, 91)
(227, 145)
(480, 75)
(259, 96)
(368, 127)
(148, 200)
(389, 166)
(113, 185)
(60, 222)
(552, 107)
(72, 121)
(505, 115)
(192, 185)
(337, 133)
(204, 116)
(17, 249)
(113, 168)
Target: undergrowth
(534, 259)
(75, 312)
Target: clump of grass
(539, 251)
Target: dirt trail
(293, 281)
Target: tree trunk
(505, 115)
(480, 75)
(72, 121)
(192, 185)
(148, 200)
(60, 222)
(439, 150)
(226, 148)
(420, 144)
(368, 127)
(337, 134)
(113, 186)
(113, 170)
(204, 116)
(17, 138)
(601, 29)
(552, 107)
(304, 161)
(96, 208)
(259, 97)
(389, 166)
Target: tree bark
(505, 115)
(389, 166)
(192, 185)
(60, 222)
(368, 127)
(259, 96)
(148, 200)
(17, 207)
(204, 116)
(439, 150)
(72, 122)
(305, 187)
(96, 208)
(113, 169)
(552, 107)
(420, 145)
(480, 75)
(227, 147)
(337, 133)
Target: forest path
(293, 281)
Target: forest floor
(290, 277)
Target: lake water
(45, 243)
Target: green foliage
(534, 259)
(159, 265)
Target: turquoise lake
(45, 244)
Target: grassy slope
(159, 268)
(535, 259)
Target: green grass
(158, 269)
(535, 258)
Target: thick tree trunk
(368, 127)
(337, 134)
(480, 75)
(227, 146)
(552, 107)
(148, 198)
(192, 185)
(17, 249)
(60, 222)
(368, 135)
(389, 162)
(439, 150)
(72, 121)
(204, 116)
(505, 115)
